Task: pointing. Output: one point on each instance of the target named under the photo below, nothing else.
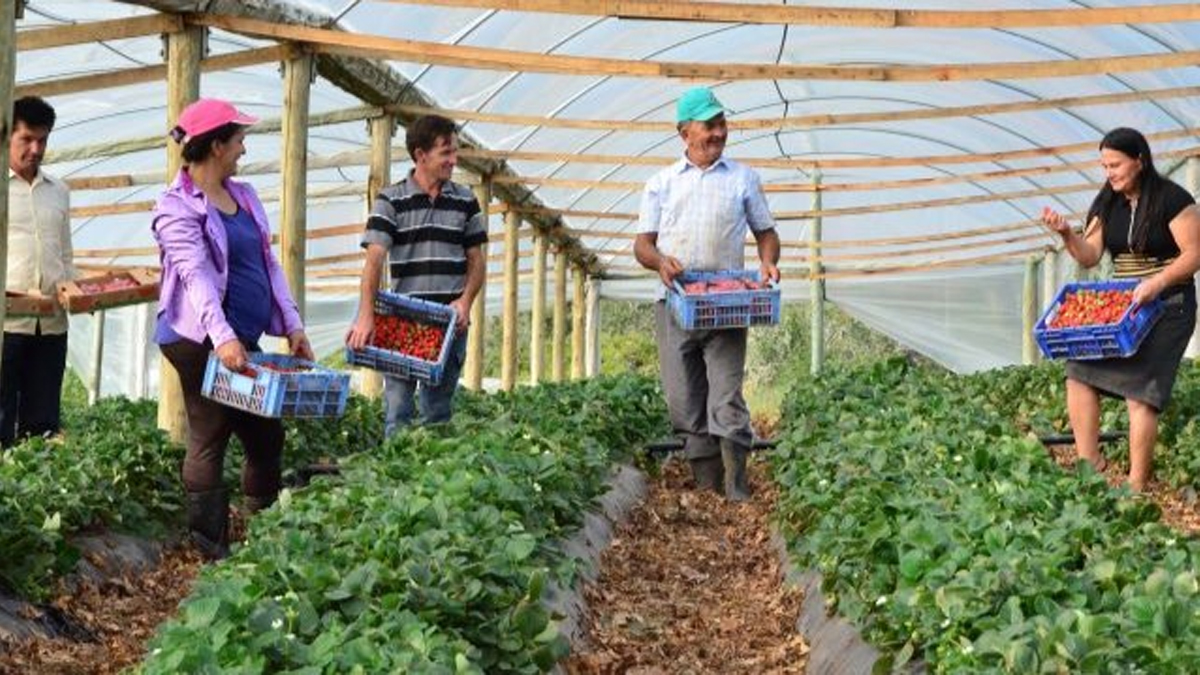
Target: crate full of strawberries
(412, 338)
(112, 289)
(1095, 320)
(727, 299)
(278, 385)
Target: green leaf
(200, 613)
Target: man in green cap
(695, 215)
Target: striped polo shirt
(427, 239)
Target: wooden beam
(577, 323)
(131, 76)
(477, 335)
(591, 322)
(559, 338)
(937, 203)
(328, 41)
(813, 120)
(379, 176)
(185, 49)
(8, 75)
(861, 186)
(293, 210)
(824, 163)
(509, 358)
(115, 148)
(96, 367)
(863, 271)
(856, 17)
(847, 211)
(97, 31)
(537, 314)
(357, 256)
(816, 298)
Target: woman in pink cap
(222, 289)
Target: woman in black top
(1151, 228)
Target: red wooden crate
(86, 294)
(28, 304)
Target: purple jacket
(194, 254)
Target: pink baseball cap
(206, 114)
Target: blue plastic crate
(1103, 341)
(314, 392)
(402, 365)
(729, 309)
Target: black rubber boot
(208, 522)
(733, 457)
(255, 504)
(709, 473)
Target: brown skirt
(1149, 374)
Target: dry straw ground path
(692, 584)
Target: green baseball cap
(698, 104)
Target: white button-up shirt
(39, 245)
(701, 216)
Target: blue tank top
(248, 297)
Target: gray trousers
(702, 372)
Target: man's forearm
(768, 247)
(476, 271)
(370, 283)
(647, 254)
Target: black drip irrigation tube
(670, 445)
(1069, 439)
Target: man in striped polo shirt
(431, 231)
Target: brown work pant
(210, 425)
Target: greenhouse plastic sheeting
(965, 317)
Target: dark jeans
(31, 385)
(399, 408)
(210, 425)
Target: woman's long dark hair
(1132, 143)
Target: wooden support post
(559, 342)
(592, 328)
(293, 208)
(477, 337)
(537, 315)
(96, 366)
(8, 69)
(1029, 312)
(817, 288)
(141, 350)
(509, 358)
(1049, 279)
(184, 51)
(379, 176)
(577, 324)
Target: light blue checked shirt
(701, 215)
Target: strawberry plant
(429, 554)
(944, 531)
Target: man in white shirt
(39, 257)
(695, 215)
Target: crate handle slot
(241, 384)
